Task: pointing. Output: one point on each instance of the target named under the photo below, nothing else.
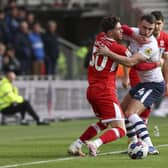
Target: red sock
(145, 115)
(92, 131)
(112, 135)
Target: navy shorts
(148, 93)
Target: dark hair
(149, 18)
(158, 15)
(109, 23)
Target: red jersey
(163, 42)
(102, 69)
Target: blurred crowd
(26, 47)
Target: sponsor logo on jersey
(148, 51)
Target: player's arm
(165, 72)
(121, 59)
(145, 66)
(165, 64)
(125, 79)
(129, 32)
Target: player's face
(158, 26)
(117, 32)
(146, 28)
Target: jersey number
(94, 62)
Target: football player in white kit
(152, 84)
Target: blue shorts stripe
(147, 93)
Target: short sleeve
(166, 44)
(122, 50)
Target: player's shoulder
(120, 49)
(99, 39)
(153, 41)
(163, 35)
(116, 45)
(100, 36)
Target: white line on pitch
(38, 162)
(64, 159)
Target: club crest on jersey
(148, 51)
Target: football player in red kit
(162, 39)
(101, 92)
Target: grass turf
(27, 144)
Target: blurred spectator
(24, 48)
(2, 51)
(12, 22)
(10, 4)
(30, 18)
(38, 49)
(11, 102)
(3, 3)
(4, 30)
(51, 46)
(22, 14)
(10, 62)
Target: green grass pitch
(46, 146)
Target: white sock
(78, 143)
(131, 132)
(98, 142)
(134, 118)
(134, 138)
(148, 141)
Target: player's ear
(109, 32)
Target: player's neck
(110, 38)
(156, 34)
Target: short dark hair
(158, 15)
(109, 23)
(149, 18)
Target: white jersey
(151, 52)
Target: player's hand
(103, 50)
(140, 39)
(159, 63)
(125, 82)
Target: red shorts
(105, 104)
(134, 78)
